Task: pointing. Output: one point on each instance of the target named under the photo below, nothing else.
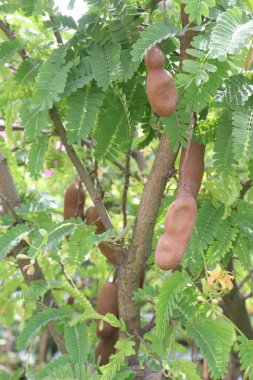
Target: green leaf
(170, 292)
(243, 131)
(76, 340)
(235, 91)
(35, 324)
(188, 369)
(152, 35)
(223, 148)
(36, 157)
(51, 80)
(11, 238)
(78, 76)
(230, 34)
(196, 9)
(34, 122)
(81, 115)
(125, 348)
(224, 242)
(214, 339)
(27, 71)
(49, 367)
(177, 126)
(105, 63)
(8, 49)
(148, 292)
(246, 355)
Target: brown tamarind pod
(182, 214)
(179, 225)
(74, 200)
(161, 87)
(106, 348)
(190, 180)
(93, 218)
(107, 303)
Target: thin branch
(148, 327)
(65, 273)
(148, 348)
(11, 35)
(57, 34)
(99, 185)
(7, 203)
(246, 185)
(83, 173)
(248, 277)
(249, 295)
(125, 190)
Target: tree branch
(132, 267)
(11, 35)
(83, 174)
(125, 190)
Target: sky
(79, 8)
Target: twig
(7, 203)
(84, 175)
(57, 34)
(69, 279)
(148, 348)
(11, 35)
(246, 185)
(125, 190)
(189, 138)
(249, 295)
(148, 327)
(248, 277)
(102, 192)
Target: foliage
(96, 83)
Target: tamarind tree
(74, 108)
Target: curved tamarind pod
(179, 225)
(74, 200)
(92, 218)
(181, 216)
(105, 348)
(161, 87)
(107, 303)
(190, 180)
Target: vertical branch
(126, 186)
(131, 269)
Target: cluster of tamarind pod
(181, 216)
(74, 202)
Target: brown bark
(131, 268)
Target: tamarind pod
(161, 92)
(106, 348)
(179, 224)
(161, 87)
(109, 253)
(107, 303)
(74, 200)
(92, 218)
(191, 172)
(154, 59)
